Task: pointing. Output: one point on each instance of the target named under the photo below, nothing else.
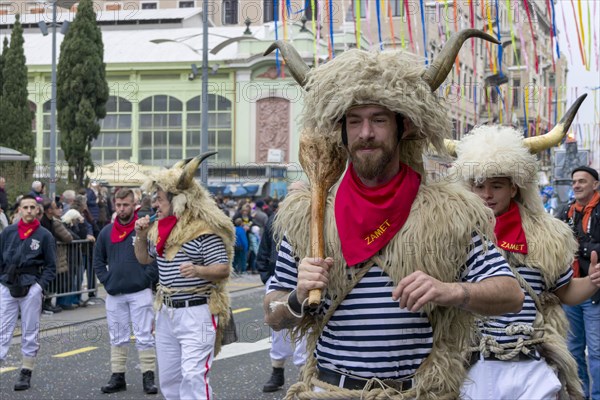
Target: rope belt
(164, 295)
(489, 348)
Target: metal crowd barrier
(73, 264)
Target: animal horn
(556, 135)
(436, 74)
(181, 163)
(185, 180)
(292, 58)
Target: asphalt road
(74, 362)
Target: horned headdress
(498, 151)
(392, 79)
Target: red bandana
(26, 230)
(367, 218)
(165, 226)
(119, 232)
(509, 230)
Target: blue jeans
(240, 260)
(584, 320)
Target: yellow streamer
(491, 30)
(512, 33)
(314, 29)
(357, 13)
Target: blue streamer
(378, 10)
(331, 27)
(500, 40)
(554, 30)
(288, 5)
(275, 20)
(424, 31)
(525, 124)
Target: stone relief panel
(272, 127)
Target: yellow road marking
(74, 352)
(239, 310)
(7, 369)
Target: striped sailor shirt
(204, 250)
(369, 335)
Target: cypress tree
(16, 116)
(2, 56)
(82, 90)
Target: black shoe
(275, 382)
(115, 384)
(24, 381)
(67, 307)
(47, 306)
(148, 383)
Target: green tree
(82, 90)
(2, 56)
(15, 123)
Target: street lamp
(44, 28)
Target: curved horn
(292, 58)
(436, 74)
(185, 180)
(451, 146)
(556, 135)
(181, 163)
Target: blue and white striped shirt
(496, 326)
(368, 334)
(204, 250)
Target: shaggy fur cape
(197, 214)
(495, 151)
(435, 239)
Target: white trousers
(283, 348)
(31, 310)
(510, 380)
(133, 309)
(185, 345)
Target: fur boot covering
(495, 151)
(197, 214)
(435, 239)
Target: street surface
(74, 362)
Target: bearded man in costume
(499, 165)
(409, 260)
(192, 242)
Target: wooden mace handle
(317, 241)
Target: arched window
(161, 130)
(219, 127)
(114, 141)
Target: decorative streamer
(284, 18)
(403, 16)
(356, 16)
(523, 46)
(578, 34)
(457, 61)
(378, 12)
(331, 38)
(368, 21)
(525, 97)
(549, 106)
(314, 29)
(551, 34)
(589, 54)
(422, 7)
(512, 33)
(390, 16)
(499, 47)
(580, 22)
(438, 15)
(596, 39)
(554, 29)
(528, 12)
(276, 23)
(500, 106)
(412, 44)
(446, 19)
(566, 32)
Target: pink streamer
(523, 46)
(596, 39)
(566, 30)
(368, 18)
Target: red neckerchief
(119, 231)
(367, 218)
(509, 230)
(165, 226)
(587, 210)
(26, 230)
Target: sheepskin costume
(442, 220)
(496, 151)
(197, 214)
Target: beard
(370, 166)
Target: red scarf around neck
(26, 230)
(587, 210)
(119, 231)
(165, 226)
(367, 218)
(509, 230)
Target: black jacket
(35, 256)
(267, 253)
(588, 242)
